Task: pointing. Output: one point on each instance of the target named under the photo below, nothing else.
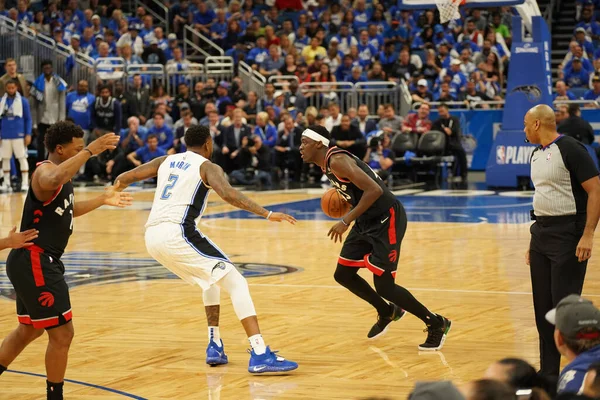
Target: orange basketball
(334, 205)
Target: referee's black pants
(555, 274)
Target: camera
(374, 143)
(251, 141)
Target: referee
(566, 208)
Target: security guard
(566, 208)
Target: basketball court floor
(140, 332)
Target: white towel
(17, 105)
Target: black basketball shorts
(375, 243)
(42, 293)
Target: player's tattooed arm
(141, 173)
(214, 176)
(343, 166)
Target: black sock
(404, 299)
(2, 369)
(54, 391)
(348, 278)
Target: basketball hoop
(449, 9)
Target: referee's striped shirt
(557, 172)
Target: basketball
(334, 205)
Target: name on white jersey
(180, 165)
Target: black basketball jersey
(352, 193)
(53, 219)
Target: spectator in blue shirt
(587, 22)
(147, 153)
(181, 13)
(577, 338)
(203, 18)
(562, 93)
(439, 36)
(86, 42)
(273, 64)
(356, 76)
(366, 51)
(577, 76)
(362, 15)
(396, 34)
(265, 129)
(24, 17)
(258, 54)
(134, 136)
(162, 132)
(218, 30)
(375, 38)
(582, 40)
(593, 94)
(80, 105)
(379, 157)
(147, 32)
(344, 71)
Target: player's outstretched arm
(214, 176)
(16, 240)
(141, 173)
(112, 196)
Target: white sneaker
(24, 188)
(6, 188)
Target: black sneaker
(383, 323)
(436, 336)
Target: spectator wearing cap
(440, 35)
(590, 26)
(577, 76)
(171, 45)
(203, 18)
(584, 42)
(443, 390)
(75, 44)
(57, 35)
(594, 93)
(97, 28)
(418, 122)
(458, 79)
(396, 35)
(562, 93)
(133, 38)
(223, 100)
(272, 64)
(309, 53)
(258, 54)
(577, 337)
(153, 54)
(422, 94)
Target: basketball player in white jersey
(173, 239)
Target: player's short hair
(321, 130)
(196, 136)
(61, 133)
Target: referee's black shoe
(436, 336)
(383, 323)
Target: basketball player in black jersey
(36, 271)
(374, 240)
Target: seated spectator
(562, 93)
(294, 99)
(160, 96)
(334, 56)
(40, 25)
(519, 375)
(577, 337)
(254, 163)
(575, 51)
(153, 54)
(403, 69)
(471, 97)
(127, 55)
(229, 141)
(80, 105)
(147, 153)
(577, 76)
(379, 157)
(133, 137)
(273, 64)
(219, 28)
(259, 53)
(310, 52)
(178, 143)
(366, 51)
(450, 125)
(467, 66)
(561, 113)
(265, 129)
(162, 132)
(223, 99)
(584, 42)
(252, 108)
(335, 117)
(422, 94)
(418, 122)
(362, 121)
(390, 123)
(185, 108)
(472, 33)
(376, 73)
(357, 75)
(268, 99)
(348, 137)
(287, 149)
(445, 93)
(576, 127)
(289, 66)
(594, 93)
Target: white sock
(258, 344)
(7, 178)
(25, 178)
(215, 335)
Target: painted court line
(106, 389)
(412, 289)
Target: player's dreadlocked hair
(196, 136)
(61, 133)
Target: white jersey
(181, 195)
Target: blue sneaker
(215, 355)
(269, 362)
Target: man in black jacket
(287, 147)
(230, 140)
(577, 127)
(348, 137)
(450, 125)
(254, 163)
(138, 98)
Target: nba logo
(500, 154)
